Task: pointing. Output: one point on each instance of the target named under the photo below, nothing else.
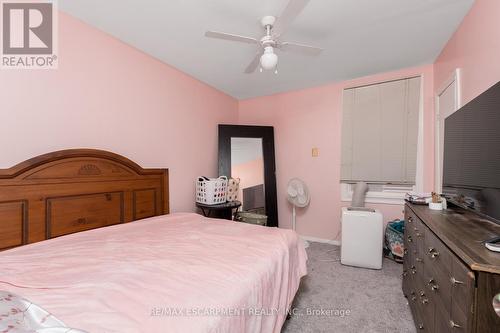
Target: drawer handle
(419, 259)
(404, 273)
(433, 253)
(413, 269)
(454, 325)
(419, 234)
(410, 219)
(415, 229)
(410, 239)
(405, 251)
(425, 301)
(433, 285)
(455, 281)
(420, 326)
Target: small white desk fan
(298, 196)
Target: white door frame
(439, 119)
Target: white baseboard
(321, 240)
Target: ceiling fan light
(269, 59)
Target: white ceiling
(360, 37)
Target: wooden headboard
(75, 190)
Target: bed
(87, 237)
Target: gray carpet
(373, 297)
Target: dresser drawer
(438, 254)
(459, 321)
(419, 232)
(426, 306)
(437, 283)
(462, 281)
(444, 322)
(459, 277)
(406, 278)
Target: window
(380, 134)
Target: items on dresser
(449, 277)
(418, 198)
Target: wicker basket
(211, 191)
(251, 218)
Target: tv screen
(471, 165)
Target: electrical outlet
(315, 152)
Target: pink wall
(110, 96)
(250, 173)
(475, 49)
(312, 118)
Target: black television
(471, 163)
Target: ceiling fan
(274, 28)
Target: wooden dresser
(449, 277)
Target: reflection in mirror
(247, 164)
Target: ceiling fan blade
(299, 48)
(231, 37)
(254, 64)
(292, 10)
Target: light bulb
(269, 59)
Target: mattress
(173, 273)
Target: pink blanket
(175, 273)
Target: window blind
(380, 132)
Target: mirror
(247, 153)
(247, 165)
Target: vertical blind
(380, 132)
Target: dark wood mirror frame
(266, 133)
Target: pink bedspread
(175, 273)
